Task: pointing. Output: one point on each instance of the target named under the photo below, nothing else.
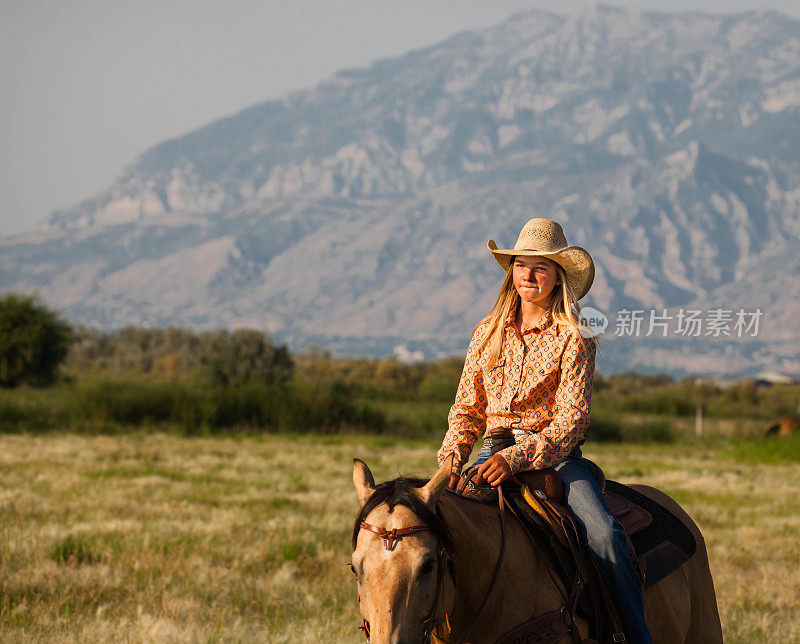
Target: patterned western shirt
(541, 387)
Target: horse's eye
(352, 569)
(427, 567)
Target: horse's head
(400, 550)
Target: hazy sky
(87, 86)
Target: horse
(424, 558)
(786, 426)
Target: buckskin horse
(424, 559)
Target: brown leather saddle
(659, 541)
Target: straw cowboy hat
(545, 237)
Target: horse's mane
(400, 491)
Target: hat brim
(576, 262)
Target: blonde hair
(564, 309)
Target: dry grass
(160, 538)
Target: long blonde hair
(564, 309)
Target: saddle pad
(632, 517)
(664, 544)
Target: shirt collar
(543, 323)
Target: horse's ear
(430, 493)
(362, 478)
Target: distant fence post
(698, 420)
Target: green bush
(412, 418)
(33, 341)
(136, 403)
(244, 355)
(17, 416)
(744, 399)
(252, 404)
(329, 407)
(608, 430)
(655, 431)
(226, 358)
(604, 430)
(441, 380)
(661, 403)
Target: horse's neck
(476, 534)
(473, 526)
(523, 586)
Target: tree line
(222, 379)
(35, 342)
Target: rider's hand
(495, 470)
(453, 481)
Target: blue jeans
(606, 539)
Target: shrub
(656, 431)
(327, 406)
(664, 403)
(33, 341)
(252, 404)
(608, 430)
(135, 403)
(245, 354)
(228, 358)
(604, 430)
(21, 416)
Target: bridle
(443, 559)
(390, 536)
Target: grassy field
(162, 538)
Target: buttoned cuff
(515, 457)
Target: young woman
(527, 386)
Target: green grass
(74, 549)
(767, 449)
(96, 545)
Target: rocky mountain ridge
(355, 214)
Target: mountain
(355, 214)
